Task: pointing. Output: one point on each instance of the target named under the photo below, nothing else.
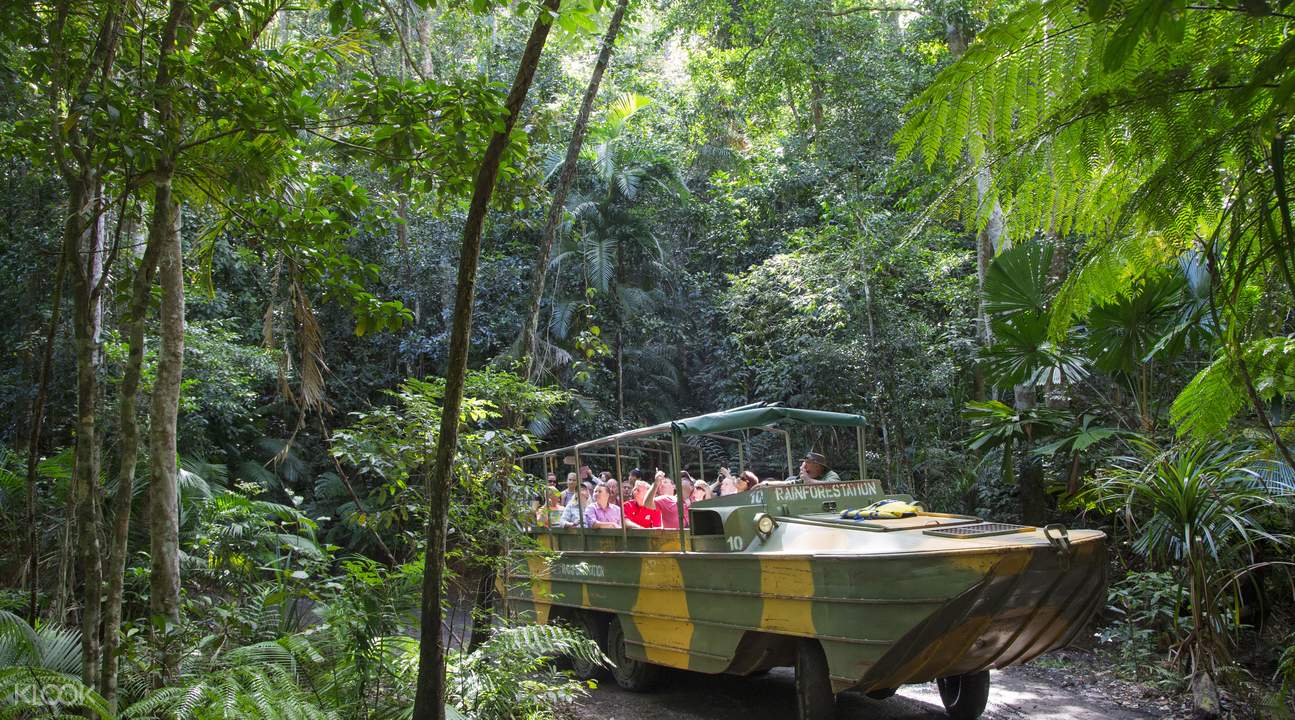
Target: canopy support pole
(620, 482)
(678, 502)
(786, 437)
(584, 538)
(548, 516)
(863, 464)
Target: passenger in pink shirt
(661, 497)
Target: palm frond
(624, 107)
(600, 260)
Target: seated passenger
(550, 512)
(686, 483)
(571, 513)
(541, 498)
(638, 516)
(727, 483)
(700, 491)
(602, 513)
(747, 480)
(570, 492)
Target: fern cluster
(1152, 130)
(1138, 157)
(316, 674)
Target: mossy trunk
(128, 442)
(163, 497)
(83, 245)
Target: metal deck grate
(978, 530)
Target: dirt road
(1019, 692)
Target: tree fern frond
(1209, 402)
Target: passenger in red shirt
(636, 515)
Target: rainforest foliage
(288, 288)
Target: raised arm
(650, 501)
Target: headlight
(764, 525)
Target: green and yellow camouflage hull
(892, 601)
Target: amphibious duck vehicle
(791, 575)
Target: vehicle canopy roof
(755, 415)
(760, 415)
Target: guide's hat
(815, 458)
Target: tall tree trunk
(128, 428)
(429, 700)
(83, 240)
(35, 424)
(530, 339)
(163, 500)
(164, 232)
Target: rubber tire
(965, 696)
(574, 620)
(582, 669)
(814, 697)
(633, 675)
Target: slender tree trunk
(872, 355)
(163, 501)
(1029, 481)
(33, 439)
(128, 428)
(483, 600)
(959, 38)
(67, 563)
(620, 374)
(429, 700)
(84, 247)
(530, 339)
(73, 147)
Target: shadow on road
(685, 696)
(694, 696)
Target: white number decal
(735, 543)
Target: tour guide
(814, 470)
